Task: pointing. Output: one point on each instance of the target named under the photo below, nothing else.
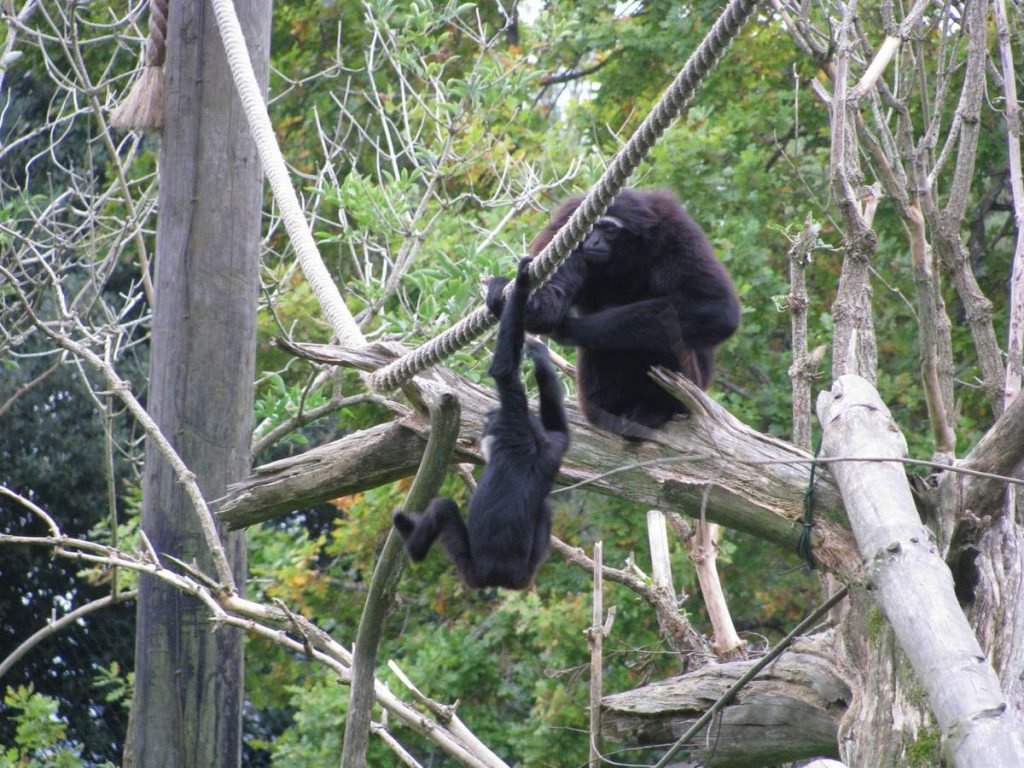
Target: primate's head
(634, 212)
(628, 217)
(597, 247)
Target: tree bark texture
(987, 546)
(996, 609)
(188, 696)
(888, 722)
(913, 587)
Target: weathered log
(362, 460)
(790, 711)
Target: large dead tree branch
(975, 526)
(912, 584)
(757, 482)
(362, 460)
(1001, 452)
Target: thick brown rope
(672, 102)
(143, 107)
(156, 42)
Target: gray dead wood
(362, 460)
(790, 711)
(1000, 452)
(671, 471)
(910, 580)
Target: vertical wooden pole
(596, 656)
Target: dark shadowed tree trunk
(188, 698)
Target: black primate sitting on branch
(647, 290)
(506, 539)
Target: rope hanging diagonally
(319, 279)
(672, 102)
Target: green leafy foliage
(40, 736)
(517, 663)
(417, 130)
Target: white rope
(319, 279)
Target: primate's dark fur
(647, 290)
(509, 527)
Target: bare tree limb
(59, 625)
(595, 638)
(122, 390)
(804, 367)
(1000, 451)
(709, 447)
(912, 584)
(365, 459)
(1015, 342)
(945, 220)
(679, 632)
(854, 348)
(444, 429)
(703, 549)
(287, 629)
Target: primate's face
(599, 244)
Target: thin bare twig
(59, 625)
(122, 390)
